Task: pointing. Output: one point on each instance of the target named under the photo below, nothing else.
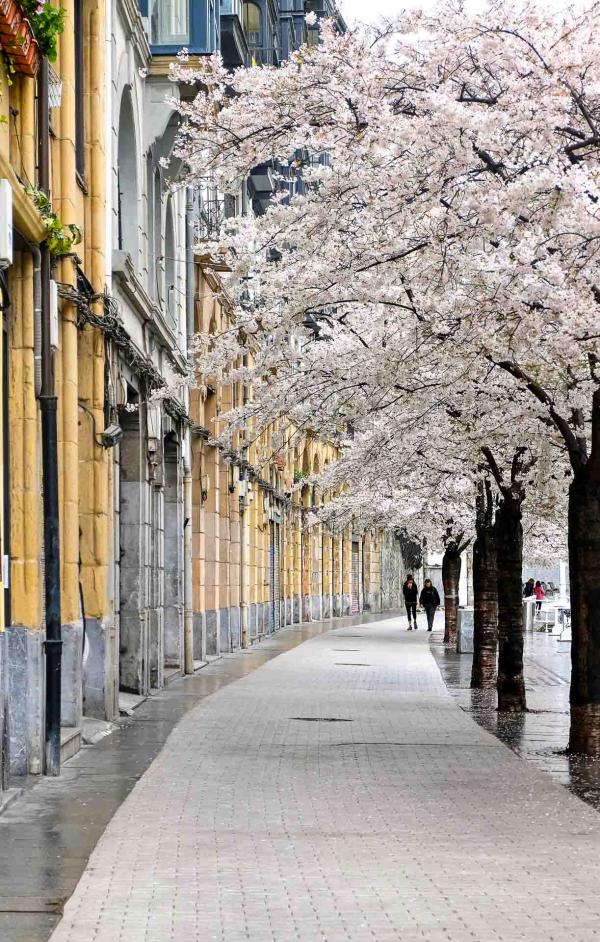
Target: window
(252, 24)
(127, 184)
(151, 242)
(170, 268)
(159, 266)
(169, 22)
(79, 90)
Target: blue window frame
(175, 24)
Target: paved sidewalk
(49, 833)
(541, 735)
(339, 793)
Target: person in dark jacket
(411, 595)
(430, 599)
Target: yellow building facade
(260, 561)
(77, 162)
(171, 550)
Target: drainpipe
(188, 606)
(37, 317)
(190, 285)
(244, 543)
(48, 403)
(244, 575)
(190, 311)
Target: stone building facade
(259, 560)
(171, 550)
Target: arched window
(170, 267)
(252, 24)
(127, 182)
(159, 265)
(151, 241)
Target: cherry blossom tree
(436, 216)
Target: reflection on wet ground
(540, 735)
(47, 835)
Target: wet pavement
(340, 794)
(541, 735)
(48, 834)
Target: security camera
(111, 436)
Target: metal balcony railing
(264, 55)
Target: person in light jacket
(411, 595)
(430, 600)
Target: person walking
(540, 595)
(528, 589)
(411, 595)
(430, 600)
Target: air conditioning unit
(6, 224)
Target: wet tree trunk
(485, 591)
(509, 546)
(451, 565)
(584, 574)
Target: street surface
(340, 793)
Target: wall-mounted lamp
(111, 435)
(204, 485)
(233, 475)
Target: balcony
(264, 55)
(234, 47)
(17, 39)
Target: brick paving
(263, 818)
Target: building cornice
(146, 308)
(134, 26)
(26, 217)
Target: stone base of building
(372, 602)
(25, 674)
(71, 701)
(4, 754)
(100, 671)
(199, 636)
(212, 632)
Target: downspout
(190, 282)
(244, 541)
(190, 312)
(48, 404)
(37, 317)
(244, 574)
(188, 606)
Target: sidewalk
(48, 834)
(340, 793)
(541, 735)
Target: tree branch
(576, 449)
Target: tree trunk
(451, 565)
(509, 547)
(584, 575)
(485, 591)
